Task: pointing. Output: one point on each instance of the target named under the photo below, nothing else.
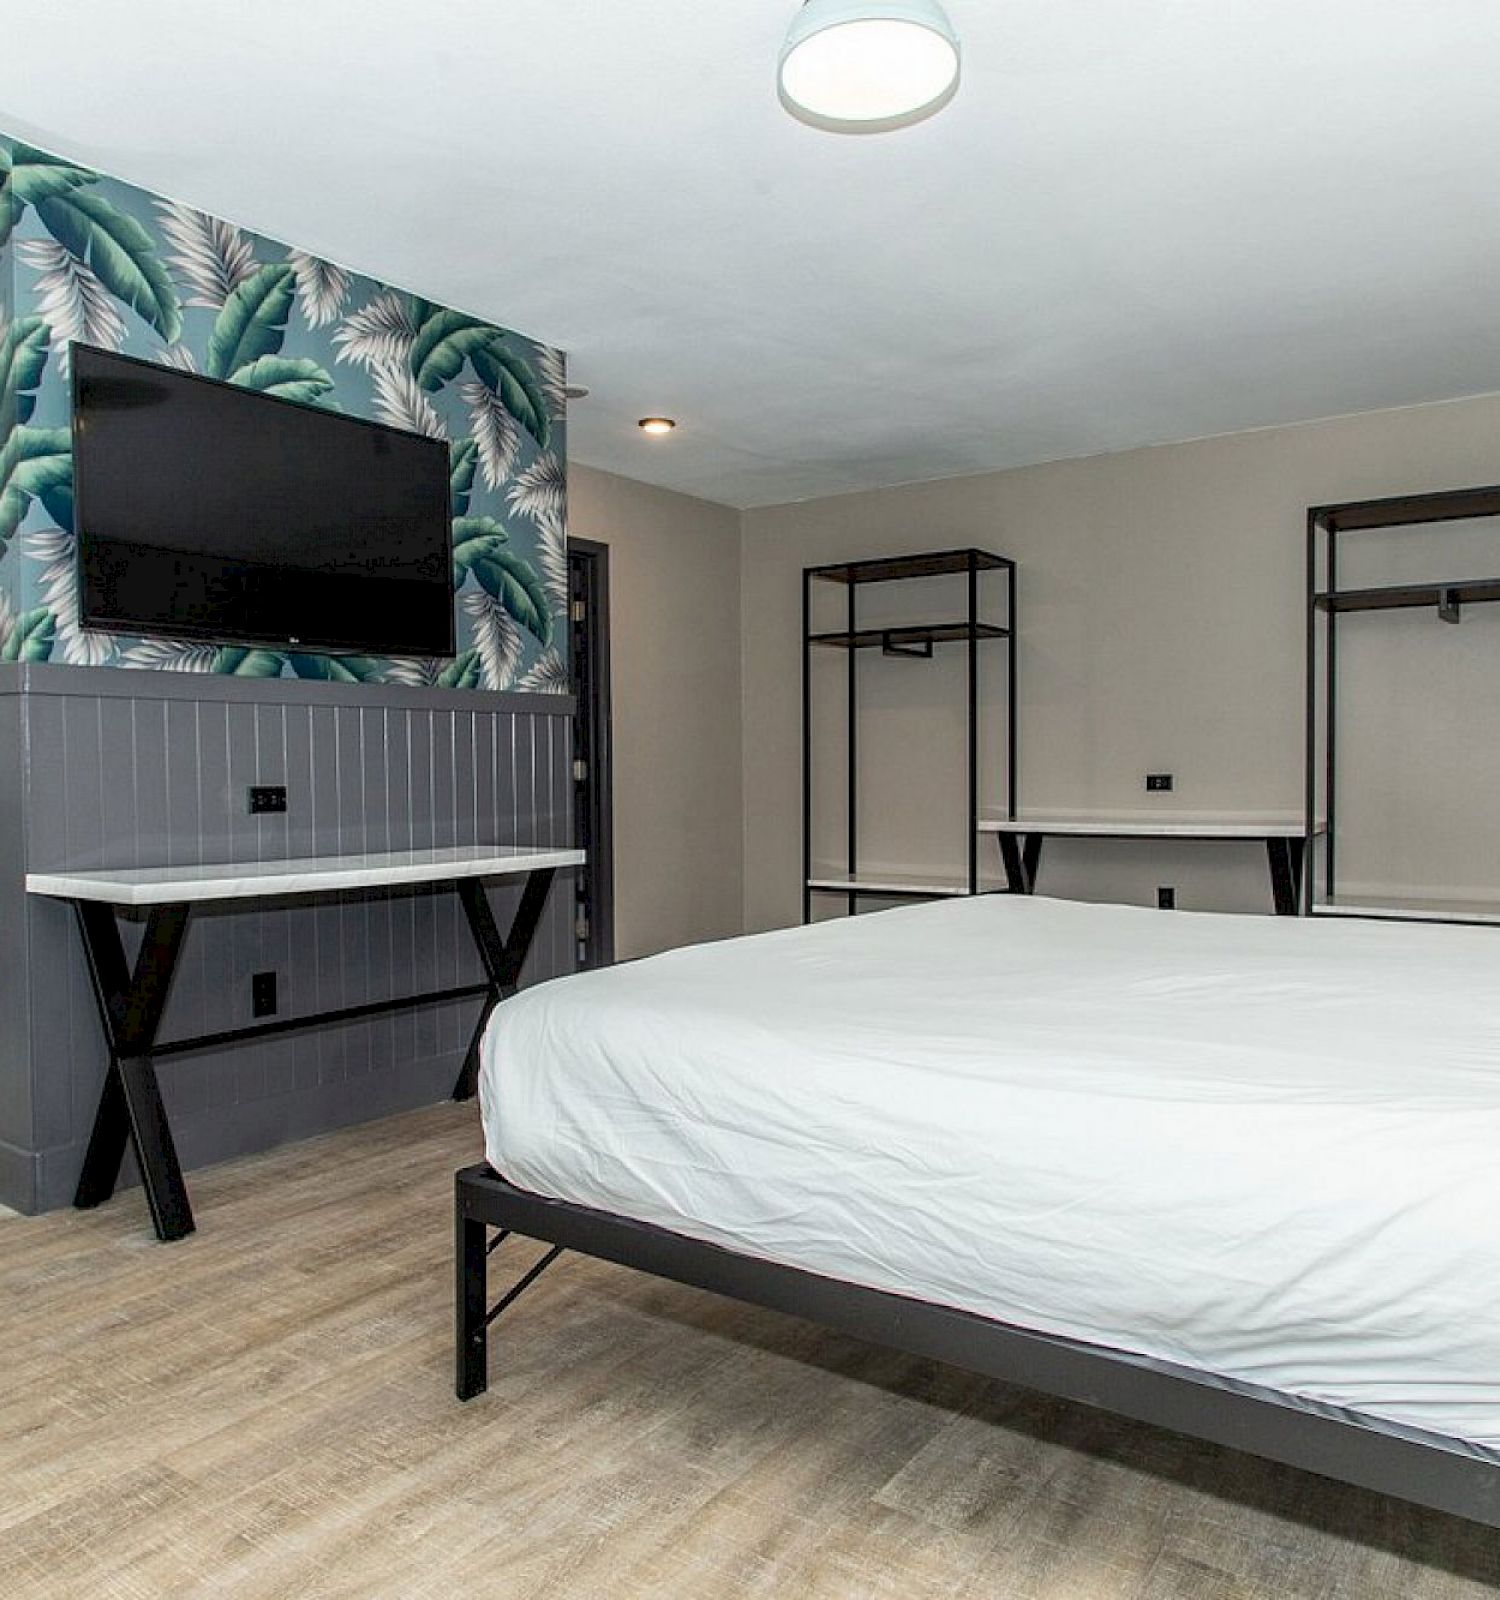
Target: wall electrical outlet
(1166, 898)
(263, 994)
(1158, 782)
(266, 799)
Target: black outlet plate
(1166, 898)
(1158, 782)
(263, 994)
(267, 799)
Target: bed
(1234, 1175)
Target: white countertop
(1142, 825)
(243, 880)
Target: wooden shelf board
(924, 564)
(1408, 596)
(1451, 505)
(887, 883)
(908, 634)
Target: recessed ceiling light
(868, 66)
(656, 424)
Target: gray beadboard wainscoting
(108, 768)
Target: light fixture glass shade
(867, 66)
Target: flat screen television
(207, 511)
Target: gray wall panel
(325, 799)
(301, 831)
(154, 771)
(47, 822)
(398, 778)
(116, 816)
(525, 778)
(213, 782)
(76, 784)
(444, 800)
(485, 814)
(419, 768)
(185, 841)
(16, 1127)
(151, 784)
(465, 821)
(347, 757)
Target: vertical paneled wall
(16, 1165)
(148, 769)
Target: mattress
(1265, 1149)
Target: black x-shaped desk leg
(131, 1003)
(1286, 857)
(502, 958)
(1022, 857)
(130, 1007)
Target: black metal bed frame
(1425, 1469)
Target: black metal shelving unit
(1327, 602)
(914, 641)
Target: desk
(131, 1001)
(1020, 840)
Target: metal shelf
(910, 637)
(915, 641)
(1407, 510)
(887, 886)
(1328, 531)
(924, 564)
(1410, 596)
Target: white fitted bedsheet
(1264, 1148)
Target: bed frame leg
(470, 1259)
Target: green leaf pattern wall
(86, 257)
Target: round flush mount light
(656, 424)
(868, 66)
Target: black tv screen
(206, 511)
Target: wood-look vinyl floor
(266, 1410)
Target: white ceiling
(1141, 220)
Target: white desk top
(1141, 825)
(244, 880)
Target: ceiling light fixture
(868, 66)
(656, 424)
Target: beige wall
(675, 669)
(1161, 628)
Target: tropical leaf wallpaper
(86, 257)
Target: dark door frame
(588, 635)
